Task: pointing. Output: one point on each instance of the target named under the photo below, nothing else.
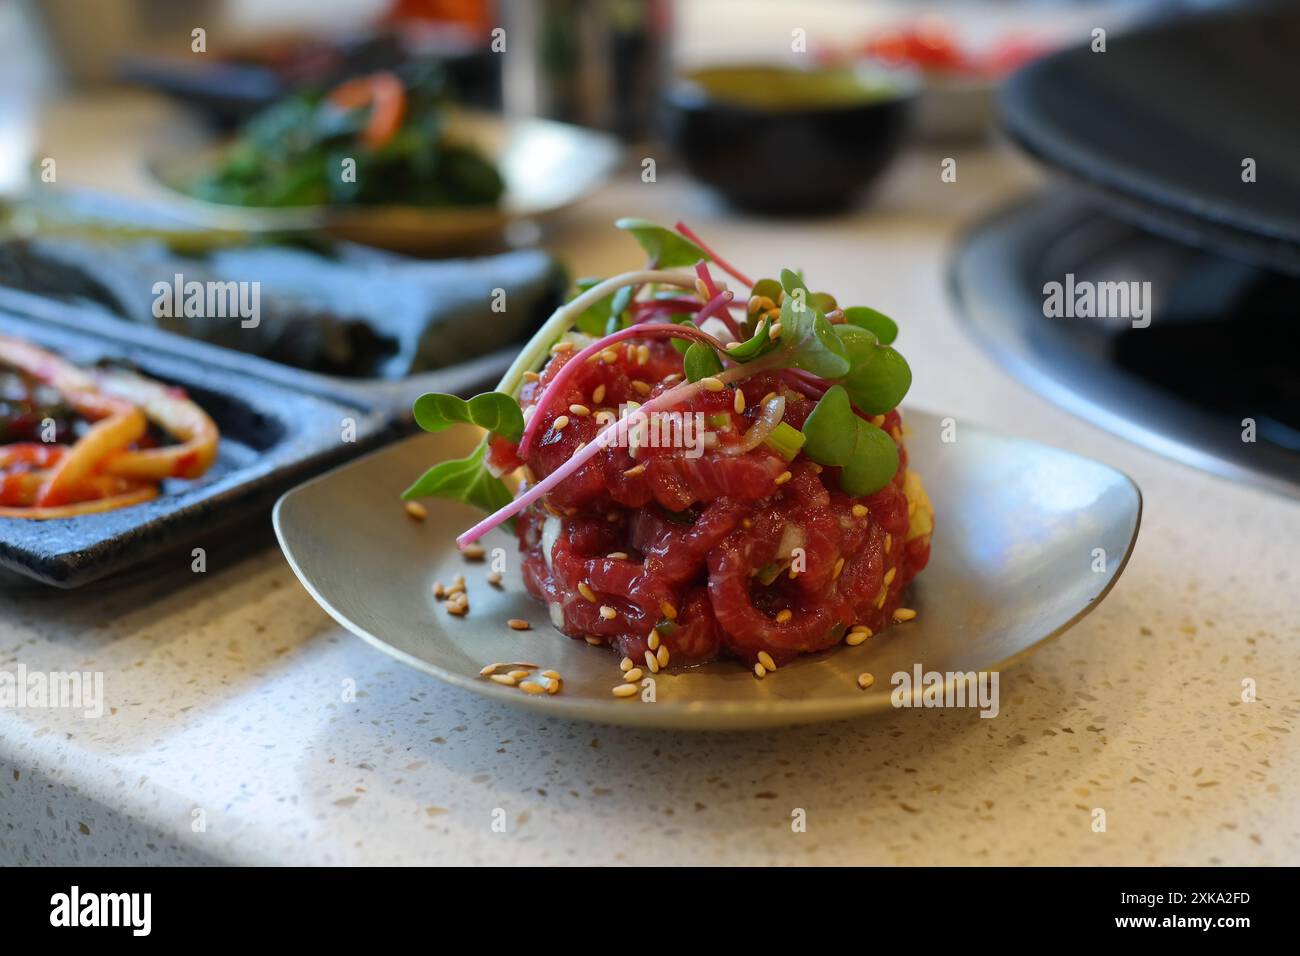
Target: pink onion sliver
(702, 270)
(723, 264)
(674, 396)
(641, 331)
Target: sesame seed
(585, 590)
(531, 376)
(633, 675)
(862, 628)
(607, 612)
(759, 671)
(765, 659)
(640, 387)
(775, 331)
(518, 624)
(784, 615)
(503, 679)
(594, 641)
(904, 614)
(673, 379)
(878, 420)
(865, 680)
(617, 556)
(839, 566)
(625, 664)
(625, 690)
(854, 638)
(755, 303)
(518, 673)
(738, 403)
(652, 641)
(532, 687)
(701, 289)
(782, 478)
(553, 685)
(652, 662)
(439, 591)
(889, 542)
(488, 670)
(668, 611)
(642, 354)
(559, 347)
(609, 356)
(560, 423)
(890, 575)
(598, 395)
(662, 655)
(634, 472)
(416, 510)
(473, 552)
(712, 384)
(731, 345)
(579, 410)
(494, 578)
(458, 605)
(880, 598)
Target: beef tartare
(704, 474)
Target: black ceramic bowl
(788, 141)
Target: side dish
(76, 441)
(376, 139)
(704, 472)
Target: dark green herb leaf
(835, 436)
(879, 384)
(809, 341)
(700, 361)
(666, 249)
(494, 411)
(464, 479)
(754, 346)
(885, 328)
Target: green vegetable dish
(373, 140)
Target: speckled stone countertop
(227, 738)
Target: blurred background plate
(547, 167)
(1017, 525)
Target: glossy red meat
(678, 544)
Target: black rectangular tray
(278, 427)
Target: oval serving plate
(1016, 525)
(547, 167)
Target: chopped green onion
(785, 440)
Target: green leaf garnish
(882, 326)
(493, 411)
(835, 436)
(463, 479)
(597, 320)
(879, 384)
(808, 341)
(666, 248)
(755, 345)
(700, 361)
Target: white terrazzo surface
(226, 692)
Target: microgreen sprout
(843, 358)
